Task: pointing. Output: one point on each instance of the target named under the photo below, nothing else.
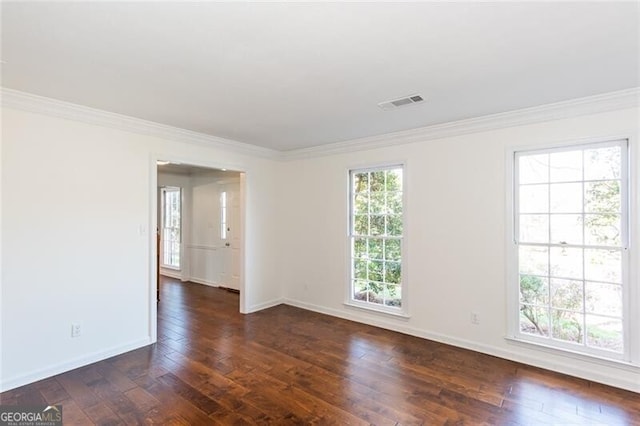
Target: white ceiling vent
(397, 103)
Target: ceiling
(191, 170)
(295, 75)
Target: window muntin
(376, 236)
(571, 234)
(171, 224)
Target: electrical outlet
(475, 318)
(76, 329)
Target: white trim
(39, 104)
(569, 367)
(202, 282)
(371, 308)
(265, 305)
(65, 366)
(628, 98)
(169, 273)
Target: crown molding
(628, 98)
(39, 104)
(611, 101)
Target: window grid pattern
(171, 224)
(570, 229)
(376, 227)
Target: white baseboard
(265, 305)
(203, 282)
(569, 367)
(81, 361)
(171, 273)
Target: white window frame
(629, 223)
(163, 192)
(403, 310)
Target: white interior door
(230, 235)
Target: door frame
(153, 225)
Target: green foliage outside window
(377, 232)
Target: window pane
(566, 262)
(602, 163)
(393, 296)
(377, 183)
(605, 333)
(392, 272)
(392, 249)
(394, 225)
(602, 197)
(534, 290)
(603, 265)
(360, 290)
(375, 270)
(567, 326)
(360, 269)
(565, 166)
(360, 248)
(605, 299)
(394, 180)
(602, 229)
(566, 229)
(566, 198)
(534, 320)
(534, 260)
(361, 204)
(376, 293)
(534, 199)
(361, 225)
(377, 205)
(377, 225)
(375, 248)
(394, 202)
(534, 228)
(566, 294)
(533, 168)
(360, 182)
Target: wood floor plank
(285, 365)
(52, 391)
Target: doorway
(207, 240)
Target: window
(223, 215)
(375, 236)
(571, 239)
(171, 209)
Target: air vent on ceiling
(397, 103)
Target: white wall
(455, 218)
(76, 238)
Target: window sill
(581, 356)
(373, 309)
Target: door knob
(227, 244)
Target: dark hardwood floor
(285, 365)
